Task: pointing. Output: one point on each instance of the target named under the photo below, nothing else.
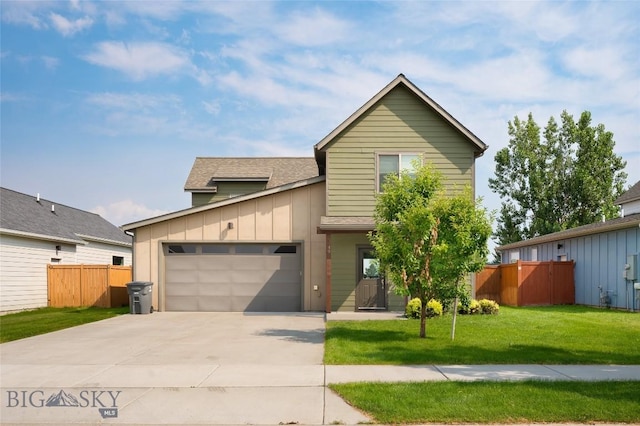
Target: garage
(233, 277)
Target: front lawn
(45, 320)
(495, 402)
(540, 335)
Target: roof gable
(276, 171)
(398, 81)
(24, 214)
(633, 194)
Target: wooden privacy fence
(527, 283)
(104, 286)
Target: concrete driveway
(173, 368)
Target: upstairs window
(393, 164)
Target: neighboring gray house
(35, 232)
(601, 252)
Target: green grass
(45, 320)
(540, 335)
(495, 402)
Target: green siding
(399, 123)
(344, 252)
(226, 190)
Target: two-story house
(290, 234)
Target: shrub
(489, 307)
(464, 301)
(474, 307)
(414, 307)
(434, 308)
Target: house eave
(229, 201)
(104, 240)
(42, 237)
(616, 224)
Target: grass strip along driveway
(541, 335)
(45, 320)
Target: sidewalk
(419, 373)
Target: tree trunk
(423, 318)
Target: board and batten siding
(399, 123)
(287, 216)
(344, 264)
(599, 261)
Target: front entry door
(370, 291)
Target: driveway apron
(173, 368)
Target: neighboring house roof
(402, 80)
(24, 215)
(276, 171)
(633, 194)
(581, 231)
(225, 202)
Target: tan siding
(229, 215)
(400, 123)
(247, 221)
(264, 219)
(288, 216)
(212, 224)
(282, 216)
(195, 228)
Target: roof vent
(38, 197)
(53, 208)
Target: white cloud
(68, 28)
(212, 107)
(316, 28)
(139, 60)
(132, 101)
(602, 62)
(24, 13)
(126, 211)
(50, 62)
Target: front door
(370, 292)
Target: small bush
(489, 307)
(474, 307)
(434, 308)
(414, 307)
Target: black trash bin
(140, 297)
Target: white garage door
(233, 277)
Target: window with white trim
(393, 164)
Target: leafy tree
(569, 178)
(427, 240)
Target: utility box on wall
(631, 268)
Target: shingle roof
(590, 229)
(23, 214)
(278, 170)
(632, 194)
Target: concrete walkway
(188, 368)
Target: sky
(105, 105)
